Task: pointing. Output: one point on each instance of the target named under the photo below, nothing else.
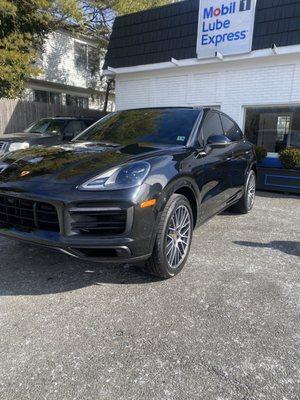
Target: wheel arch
(188, 192)
(185, 187)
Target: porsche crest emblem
(24, 173)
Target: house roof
(158, 34)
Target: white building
(71, 73)
(152, 56)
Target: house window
(93, 59)
(43, 96)
(273, 128)
(80, 55)
(77, 101)
(86, 57)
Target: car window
(74, 127)
(211, 126)
(47, 126)
(164, 126)
(231, 129)
(88, 122)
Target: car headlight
(125, 177)
(18, 146)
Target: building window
(77, 101)
(43, 96)
(273, 128)
(80, 55)
(86, 57)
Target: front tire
(246, 203)
(173, 239)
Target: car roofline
(167, 108)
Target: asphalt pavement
(226, 328)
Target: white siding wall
(58, 63)
(272, 80)
(58, 66)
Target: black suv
(131, 188)
(45, 132)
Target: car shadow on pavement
(26, 270)
(285, 246)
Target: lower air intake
(98, 222)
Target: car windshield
(157, 126)
(51, 126)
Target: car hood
(23, 137)
(69, 164)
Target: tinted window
(47, 126)
(88, 122)
(74, 127)
(231, 129)
(164, 126)
(211, 126)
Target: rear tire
(246, 203)
(173, 239)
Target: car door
(241, 150)
(212, 168)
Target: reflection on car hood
(68, 164)
(23, 136)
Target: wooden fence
(16, 115)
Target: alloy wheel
(251, 191)
(179, 234)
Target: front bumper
(133, 245)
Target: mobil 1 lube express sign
(225, 27)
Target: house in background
(70, 84)
(71, 65)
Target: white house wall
(230, 85)
(58, 63)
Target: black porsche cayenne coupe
(131, 188)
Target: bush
(290, 158)
(261, 153)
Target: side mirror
(217, 141)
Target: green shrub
(261, 153)
(290, 158)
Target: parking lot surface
(226, 328)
